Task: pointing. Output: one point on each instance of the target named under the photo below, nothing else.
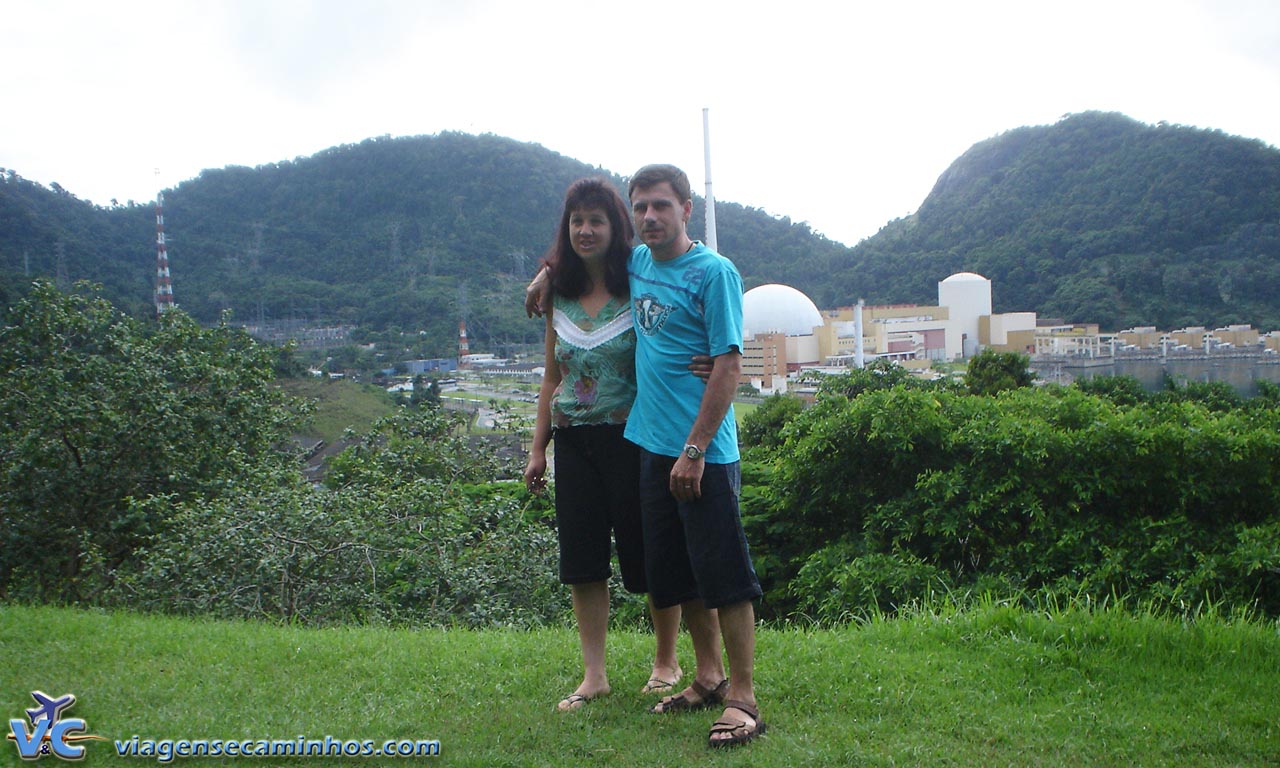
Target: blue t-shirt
(690, 305)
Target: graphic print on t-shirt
(650, 313)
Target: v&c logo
(50, 733)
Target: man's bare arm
(686, 475)
(537, 295)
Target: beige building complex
(784, 331)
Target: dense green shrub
(1041, 489)
(410, 552)
(991, 372)
(97, 408)
(836, 583)
(404, 532)
(764, 426)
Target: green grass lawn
(992, 685)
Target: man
(686, 302)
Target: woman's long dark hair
(568, 273)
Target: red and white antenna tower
(464, 348)
(164, 287)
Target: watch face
(692, 451)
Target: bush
(836, 584)
(991, 372)
(764, 426)
(1044, 490)
(97, 408)
(410, 553)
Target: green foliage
(837, 584)
(390, 233)
(1047, 490)
(764, 425)
(1097, 218)
(426, 393)
(339, 405)
(1121, 390)
(1214, 395)
(878, 375)
(409, 552)
(430, 444)
(96, 409)
(991, 372)
(409, 529)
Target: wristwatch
(693, 451)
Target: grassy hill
(340, 405)
(992, 685)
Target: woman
(587, 391)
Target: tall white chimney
(710, 198)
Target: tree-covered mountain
(408, 233)
(1096, 218)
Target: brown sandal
(680, 703)
(728, 724)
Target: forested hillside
(408, 233)
(1097, 218)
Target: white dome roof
(966, 277)
(773, 307)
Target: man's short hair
(652, 175)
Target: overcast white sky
(840, 113)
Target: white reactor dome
(776, 308)
(966, 293)
(966, 277)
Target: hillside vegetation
(409, 233)
(1096, 218)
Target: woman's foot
(662, 680)
(581, 696)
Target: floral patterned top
(597, 358)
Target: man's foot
(696, 696)
(739, 724)
(662, 680)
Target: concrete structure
(1008, 332)
(419, 367)
(764, 362)
(1238, 336)
(1072, 341)
(1191, 337)
(968, 296)
(904, 333)
(1141, 337)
